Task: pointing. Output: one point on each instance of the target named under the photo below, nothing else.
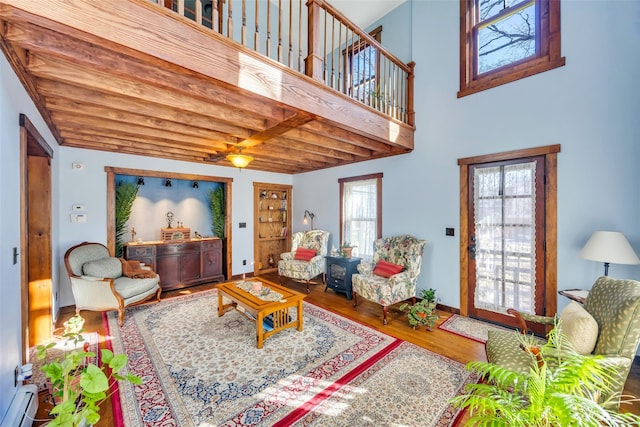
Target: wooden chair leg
(121, 317)
(355, 298)
(385, 310)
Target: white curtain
(504, 211)
(359, 216)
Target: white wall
(589, 106)
(13, 102)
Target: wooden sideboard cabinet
(182, 263)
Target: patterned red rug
(200, 369)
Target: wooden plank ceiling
(140, 79)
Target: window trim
(378, 178)
(546, 58)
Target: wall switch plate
(242, 225)
(244, 262)
(78, 217)
(77, 166)
(449, 231)
(77, 208)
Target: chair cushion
(387, 269)
(108, 267)
(129, 288)
(304, 254)
(580, 327)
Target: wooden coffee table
(254, 307)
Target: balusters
(230, 19)
(347, 60)
(268, 42)
(324, 55)
(279, 30)
(300, 58)
(290, 59)
(256, 35)
(243, 28)
(215, 16)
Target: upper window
(361, 213)
(363, 62)
(505, 40)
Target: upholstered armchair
(608, 324)
(306, 259)
(98, 283)
(377, 281)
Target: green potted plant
(421, 313)
(79, 387)
(430, 296)
(562, 388)
(346, 249)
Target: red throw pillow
(304, 254)
(387, 269)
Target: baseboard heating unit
(23, 407)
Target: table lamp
(609, 247)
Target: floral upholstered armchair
(99, 283)
(306, 259)
(608, 325)
(392, 275)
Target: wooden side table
(339, 272)
(579, 295)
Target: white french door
(506, 233)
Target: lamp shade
(239, 160)
(609, 247)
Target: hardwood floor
(453, 346)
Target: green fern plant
(126, 194)
(217, 211)
(563, 388)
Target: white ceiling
(365, 12)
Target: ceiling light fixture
(167, 182)
(140, 180)
(239, 160)
(195, 184)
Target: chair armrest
(287, 256)
(365, 268)
(522, 318)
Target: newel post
(411, 114)
(313, 62)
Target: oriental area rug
(202, 370)
(470, 328)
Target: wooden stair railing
(320, 42)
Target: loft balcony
(298, 87)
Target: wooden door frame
(550, 153)
(31, 144)
(111, 203)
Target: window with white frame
(361, 213)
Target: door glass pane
(504, 205)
